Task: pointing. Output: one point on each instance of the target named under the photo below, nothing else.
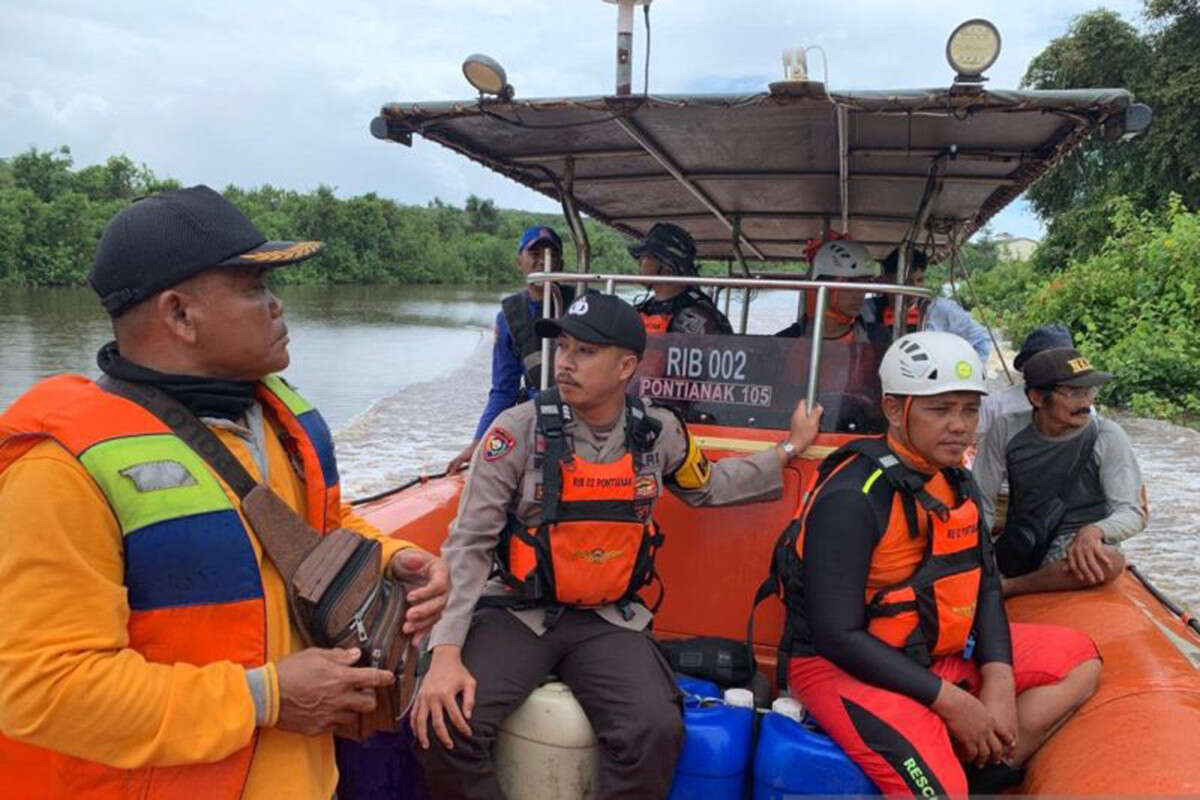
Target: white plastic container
(546, 749)
(739, 698)
(789, 708)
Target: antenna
(625, 43)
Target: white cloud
(255, 92)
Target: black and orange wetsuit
(865, 661)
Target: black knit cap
(164, 239)
(603, 319)
(1042, 338)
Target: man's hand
(446, 680)
(1086, 557)
(998, 694)
(319, 689)
(804, 426)
(462, 459)
(970, 723)
(428, 573)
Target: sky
(250, 92)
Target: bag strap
(285, 537)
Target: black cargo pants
(619, 677)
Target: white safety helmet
(843, 258)
(931, 362)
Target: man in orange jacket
(900, 647)
(147, 649)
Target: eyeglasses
(1077, 392)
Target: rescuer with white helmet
(841, 261)
(896, 638)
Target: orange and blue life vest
(194, 587)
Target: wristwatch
(787, 447)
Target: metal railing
(785, 284)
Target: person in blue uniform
(517, 352)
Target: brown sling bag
(338, 592)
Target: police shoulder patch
(497, 444)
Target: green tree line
(52, 215)
(1120, 263)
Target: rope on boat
(956, 260)
(1182, 613)
(420, 479)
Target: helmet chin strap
(832, 310)
(904, 446)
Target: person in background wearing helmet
(933, 314)
(517, 350)
(1075, 488)
(898, 639)
(553, 541)
(842, 261)
(674, 308)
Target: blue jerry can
(717, 746)
(792, 759)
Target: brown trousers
(619, 677)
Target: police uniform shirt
(503, 477)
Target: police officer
(517, 351)
(558, 503)
(673, 308)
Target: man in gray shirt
(1012, 398)
(1075, 485)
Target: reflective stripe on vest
(309, 439)
(194, 587)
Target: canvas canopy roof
(777, 167)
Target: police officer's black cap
(603, 319)
(164, 239)
(1062, 366)
(670, 244)
(1042, 338)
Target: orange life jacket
(657, 323)
(596, 542)
(657, 315)
(912, 317)
(195, 593)
(931, 611)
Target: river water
(401, 374)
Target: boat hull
(1139, 734)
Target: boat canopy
(758, 175)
